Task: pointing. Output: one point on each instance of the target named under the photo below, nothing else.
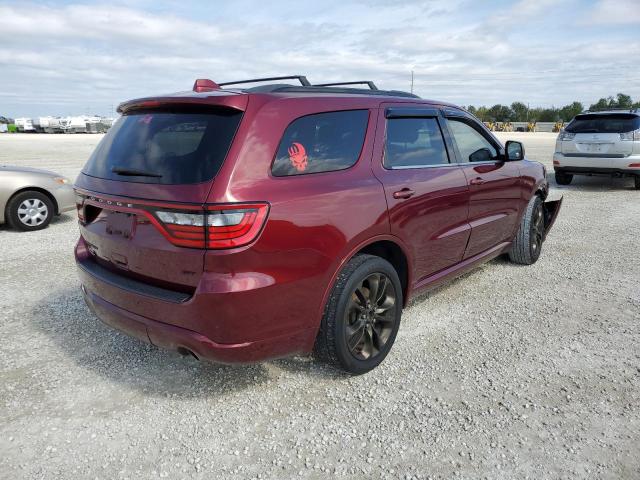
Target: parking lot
(508, 372)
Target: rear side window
(321, 143)
(414, 143)
(604, 123)
(165, 147)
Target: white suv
(599, 143)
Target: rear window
(321, 143)
(604, 123)
(165, 147)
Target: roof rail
(371, 85)
(333, 90)
(612, 109)
(301, 78)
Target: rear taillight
(218, 226)
(634, 165)
(633, 136)
(185, 229)
(233, 227)
(566, 136)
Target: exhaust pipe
(185, 352)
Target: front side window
(472, 145)
(322, 142)
(414, 143)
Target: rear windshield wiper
(132, 172)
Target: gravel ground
(508, 372)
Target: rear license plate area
(120, 223)
(590, 148)
(596, 147)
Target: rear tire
(527, 244)
(563, 178)
(30, 210)
(636, 181)
(362, 316)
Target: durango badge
(298, 156)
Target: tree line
(520, 112)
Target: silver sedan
(30, 197)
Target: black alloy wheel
(369, 317)
(362, 315)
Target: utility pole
(411, 81)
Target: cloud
(79, 57)
(614, 12)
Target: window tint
(470, 142)
(414, 142)
(603, 123)
(321, 143)
(169, 147)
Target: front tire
(30, 210)
(563, 178)
(361, 317)
(526, 247)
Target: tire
(563, 178)
(527, 245)
(347, 319)
(30, 210)
(636, 181)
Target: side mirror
(514, 151)
(480, 155)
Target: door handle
(476, 181)
(404, 193)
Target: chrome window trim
(419, 167)
(488, 162)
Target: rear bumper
(247, 323)
(613, 172)
(596, 166)
(183, 340)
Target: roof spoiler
(220, 99)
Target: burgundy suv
(242, 224)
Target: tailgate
(597, 146)
(122, 237)
(142, 191)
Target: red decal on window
(298, 156)
(146, 119)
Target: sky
(65, 58)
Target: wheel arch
(4, 217)
(44, 191)
(384, 246)
(393, 253)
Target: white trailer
(74, 124)
(40, 124)
(24, 125)
(55, 125)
